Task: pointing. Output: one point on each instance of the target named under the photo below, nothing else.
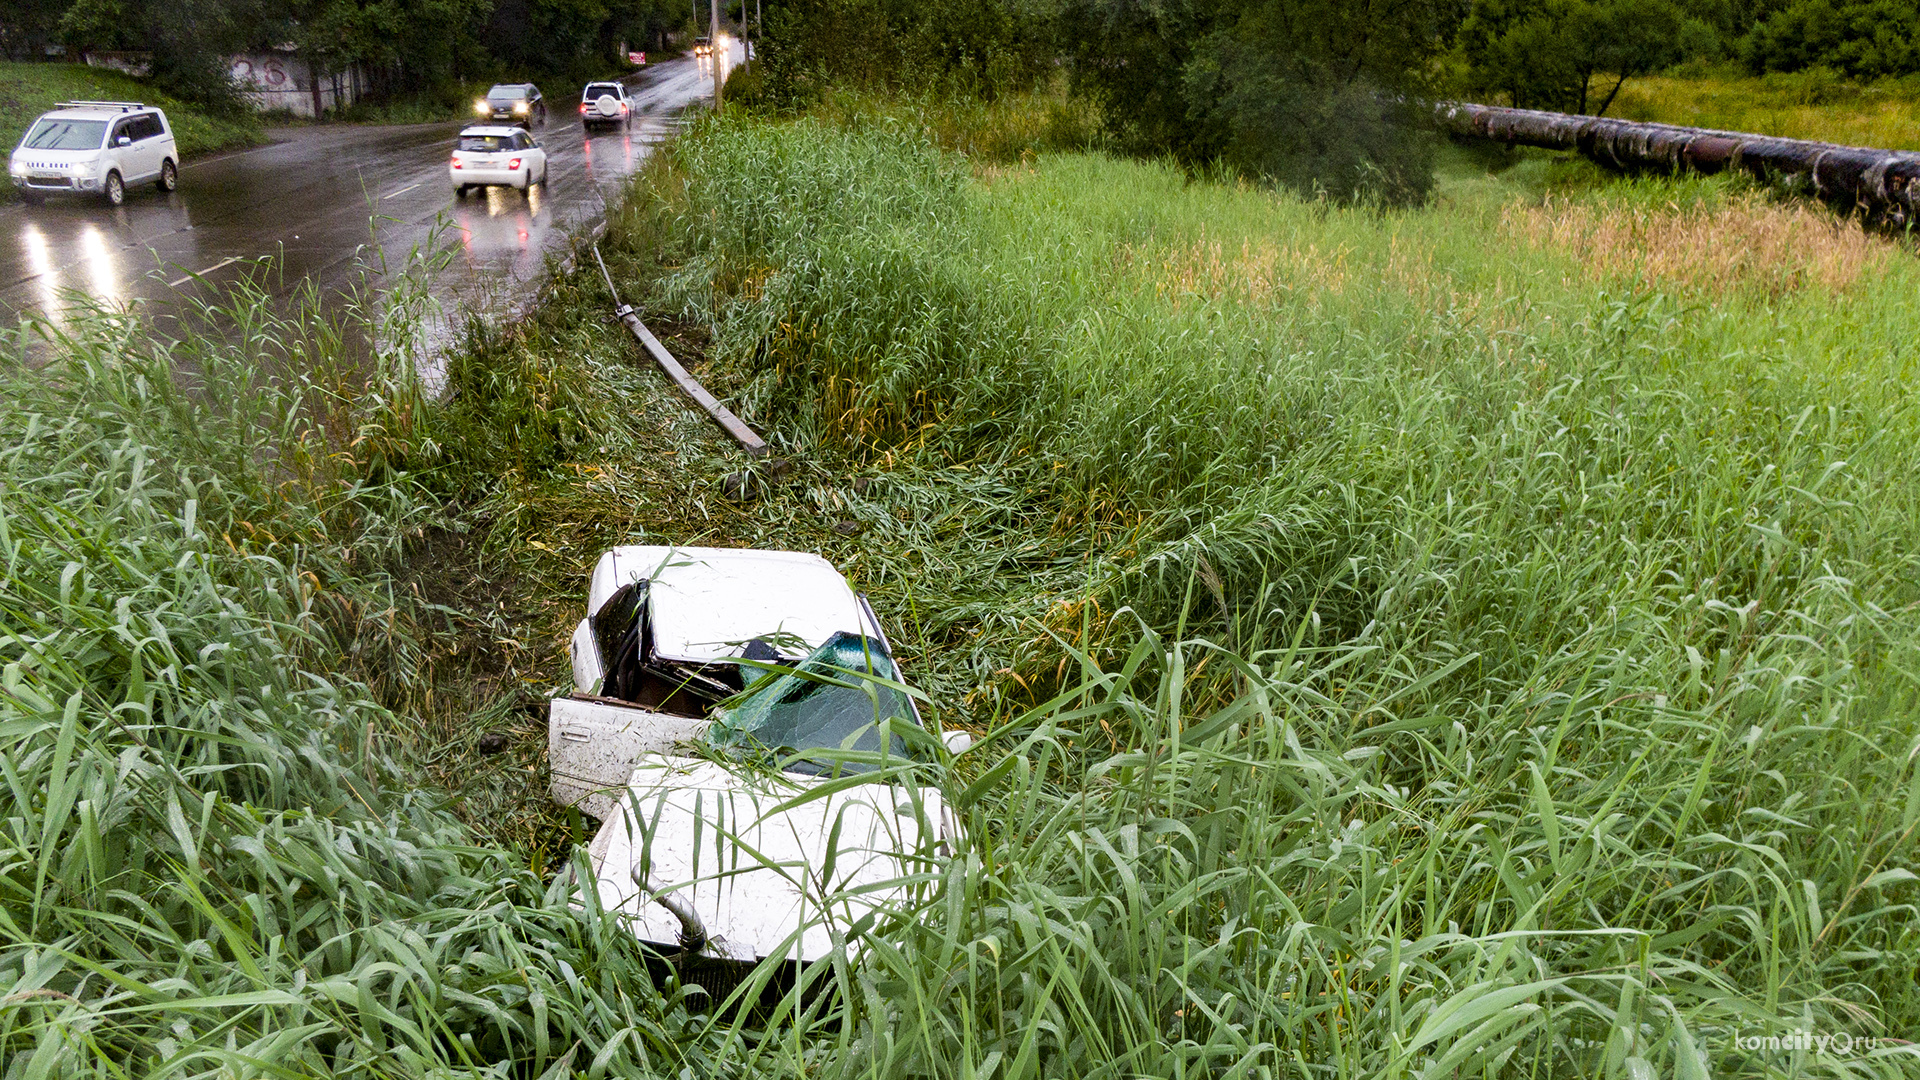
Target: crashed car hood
(755, 866)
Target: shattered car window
(839, 707)
(634, 673)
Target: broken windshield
(835, 699)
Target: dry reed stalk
(1258, 273)
(1745, 244)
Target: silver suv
(98, 148)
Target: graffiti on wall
(273, 81)
(267, 74)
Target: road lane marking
(177, 282)
(402, 191)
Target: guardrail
(1882, 185)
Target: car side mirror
(958, 742)
(124, 140)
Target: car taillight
(583, 108)
(514, 164)
(456, 164)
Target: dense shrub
(1862, 38)
(972, 48)
(1307, 93)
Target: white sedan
(496, 156)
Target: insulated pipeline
(1884, 185)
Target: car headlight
(480, 106)
(519, 106)
(16, 169)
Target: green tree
(1864, 38)
(190, 40)
(1313, 94)
(27, 27)
(645, 24)
(402, 45)
(1135, 59)
(971, 46)
(1568, 55)
(575, 39)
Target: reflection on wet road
(323, 202)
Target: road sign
(636, 58)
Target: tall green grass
(1547, 617)
(215, 859)
(1815, 104)
(1476, 641)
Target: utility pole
(713, 36)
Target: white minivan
(96, 148)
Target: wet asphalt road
(319, 199)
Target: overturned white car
(739, 728)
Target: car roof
(704, 600)
(489, 129)
(96, 112)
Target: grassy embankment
(1813, 105)
(1474, 640)
(1576, 529)
(27, 90)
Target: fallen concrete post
(752, 443)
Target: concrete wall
(137, 64)
(276, 80)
